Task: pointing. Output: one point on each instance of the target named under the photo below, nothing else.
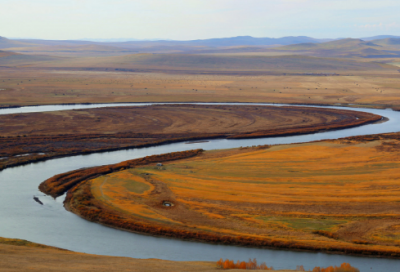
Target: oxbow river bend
(21, 217)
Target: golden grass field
(341, 193)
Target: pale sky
(197, 19)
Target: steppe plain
(349, 72)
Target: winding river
(21, 217)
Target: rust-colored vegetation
(344, 267)
(40, 136)
(334, 196)
(251, 264)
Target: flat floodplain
(340, 195)
(33, 87)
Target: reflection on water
(22, 217)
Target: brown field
(33, 87)
(176, 119)
(335, 196)
(40, 136)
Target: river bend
(21, 217)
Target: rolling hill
(160, 46)
(7, 43)
(10, 59)
(344, 48)
(199, 57)
(215, 64)
(380, 37)
(73, 50)
(226, 42)
(382, 47)
(388, 42)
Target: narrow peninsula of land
(41, 136)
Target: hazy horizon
(155, 39)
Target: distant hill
(8, 58)
(75, 48)
(71, 48)
(170, 46)
(383, 47)
(215, 64)
(344, 48)
(380, 37)
(7, 43)
(217, 42)
(38, 42)
(248, 40)
(233, 64)
(388, 41)
(344, 43)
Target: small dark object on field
(37, 200)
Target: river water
(21, 217)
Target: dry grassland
(32, 87)
(19, 255)
(18, 259)
(337, 195)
